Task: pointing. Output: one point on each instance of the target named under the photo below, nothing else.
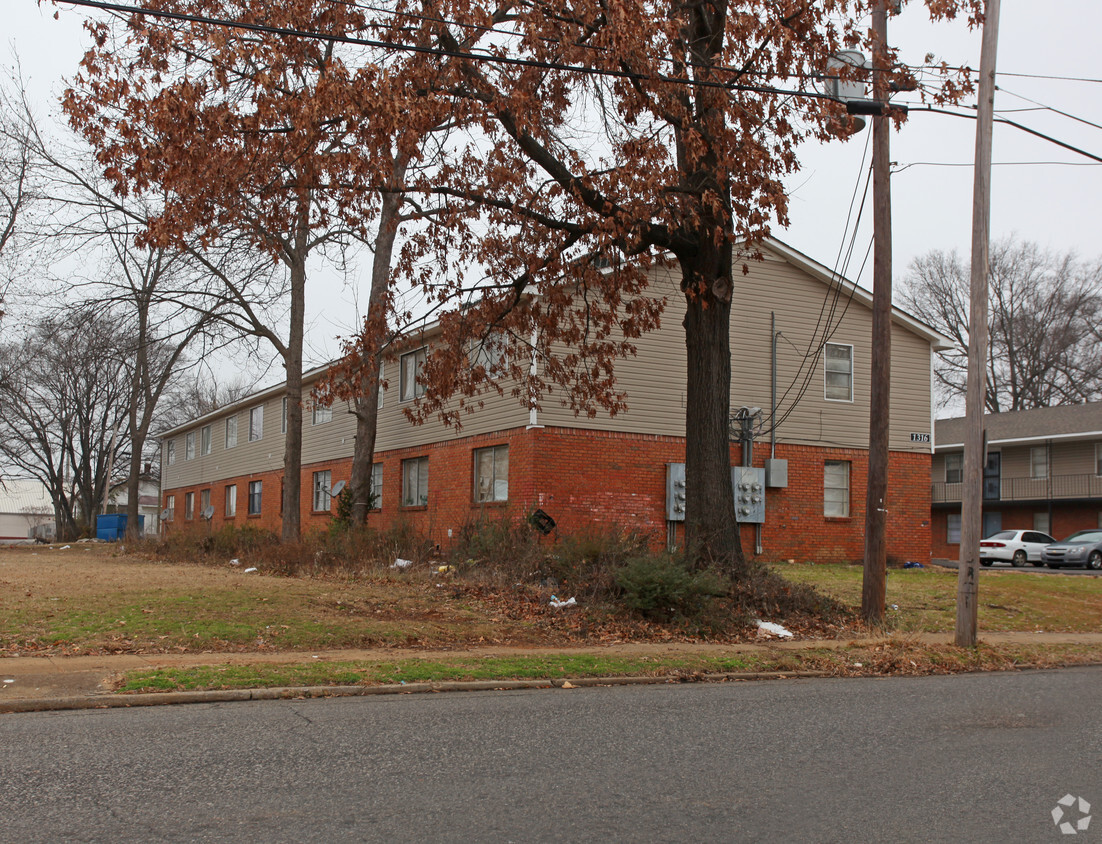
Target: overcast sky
(1040, 191)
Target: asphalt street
(982, 757)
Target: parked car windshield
(1004, 534)
(1085, 536)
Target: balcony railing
(1053, 488)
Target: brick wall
(1066, 520)
(583, 477)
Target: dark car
(1080, 549)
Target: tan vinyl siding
(263, 455)
(1074, 458)
(655, 379)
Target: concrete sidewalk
(68, 682)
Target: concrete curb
(113, 701)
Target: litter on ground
(557, 604)
(402, 564)
(249, 569)
(774, 629)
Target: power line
(1048, 108)
(398, 46)
(899, 168)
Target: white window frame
(231, 432)
(377, 485)
(256, 488)
(283, 416)
(189, 446)
(231, 500)
(321, 414)
(411, 365)
(1098, 463)
(1038, 462)
(957, 458)
(489, 358)
(189, 505)
(831, 508)
(415, 472)
(204, 500)
(323, 482)
(170, 452)
(206, 435)
(493, 488)
(952, 528)
(256, 423)
(170, 506)
(827, 371)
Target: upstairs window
(954, 468)
(322, 414)
(256, 423)
(838, 363)
(170, 452)
(204, 440)
(231, 432)
(412, 364)
(189, 446)
(1038, 462)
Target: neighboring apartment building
(511, 459)
(1043, 472)
(26, 510)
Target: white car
(1015, 547)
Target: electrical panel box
(776, 472)
(749, 484)
(675, 492)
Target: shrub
(663, 586)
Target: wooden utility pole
(874, 581)
(972, 485)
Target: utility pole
(874, 580)
(972, 486)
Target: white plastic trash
(557, 604)
(402, 564)
(251, 568)
(775, 629)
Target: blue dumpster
(112, 526)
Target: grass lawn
(925, 600)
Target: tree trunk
(292, 451)
(366, 403)
(711, 533)
(137, 437)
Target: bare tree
(16, 168)
(1044, 335)
(65, 391)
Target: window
(954, 468)
(189, 446)
(952, 528)
(412, 364)
(231, 432)
(838, 361)
(204, 440)
(189, 505)
(283, 416)
(322, 414)
(489, 353)
(231, 501)
(170, 452)
(491, 474)
(382, 389)
(376, 486)
(1038, 462)
(255, 490)
(323, 482)
(415, 482)
(170, 507)
(256, 423)
(1041, 523)
(1098, 459)
(836, 488)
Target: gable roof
(1067, 422)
